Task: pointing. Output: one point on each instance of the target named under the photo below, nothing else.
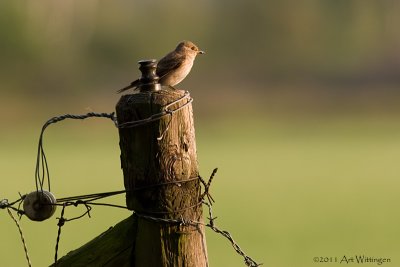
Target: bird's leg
(173, 88)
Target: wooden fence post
(159, 162)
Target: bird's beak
(201, 52)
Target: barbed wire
(42, 174)
(87, 202)
(211, 224)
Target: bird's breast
(176, 76)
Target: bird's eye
(193, 48)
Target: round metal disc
(39, 205)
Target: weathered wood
(111, 248)
(163, 151)
(156, 153)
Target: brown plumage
(174, 67)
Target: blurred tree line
(50, 47)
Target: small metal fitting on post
(149, 79)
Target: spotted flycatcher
(174, 67)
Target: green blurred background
(296, 102)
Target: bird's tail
(134, 84)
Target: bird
(173, 67)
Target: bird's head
(188, 47)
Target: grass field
(288, 190)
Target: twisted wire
(87, 201)
(22, 237)
(60, 224)
(42, 173)
(157, 116)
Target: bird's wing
(169, 63)
(133, 84)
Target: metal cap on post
(149, 79)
